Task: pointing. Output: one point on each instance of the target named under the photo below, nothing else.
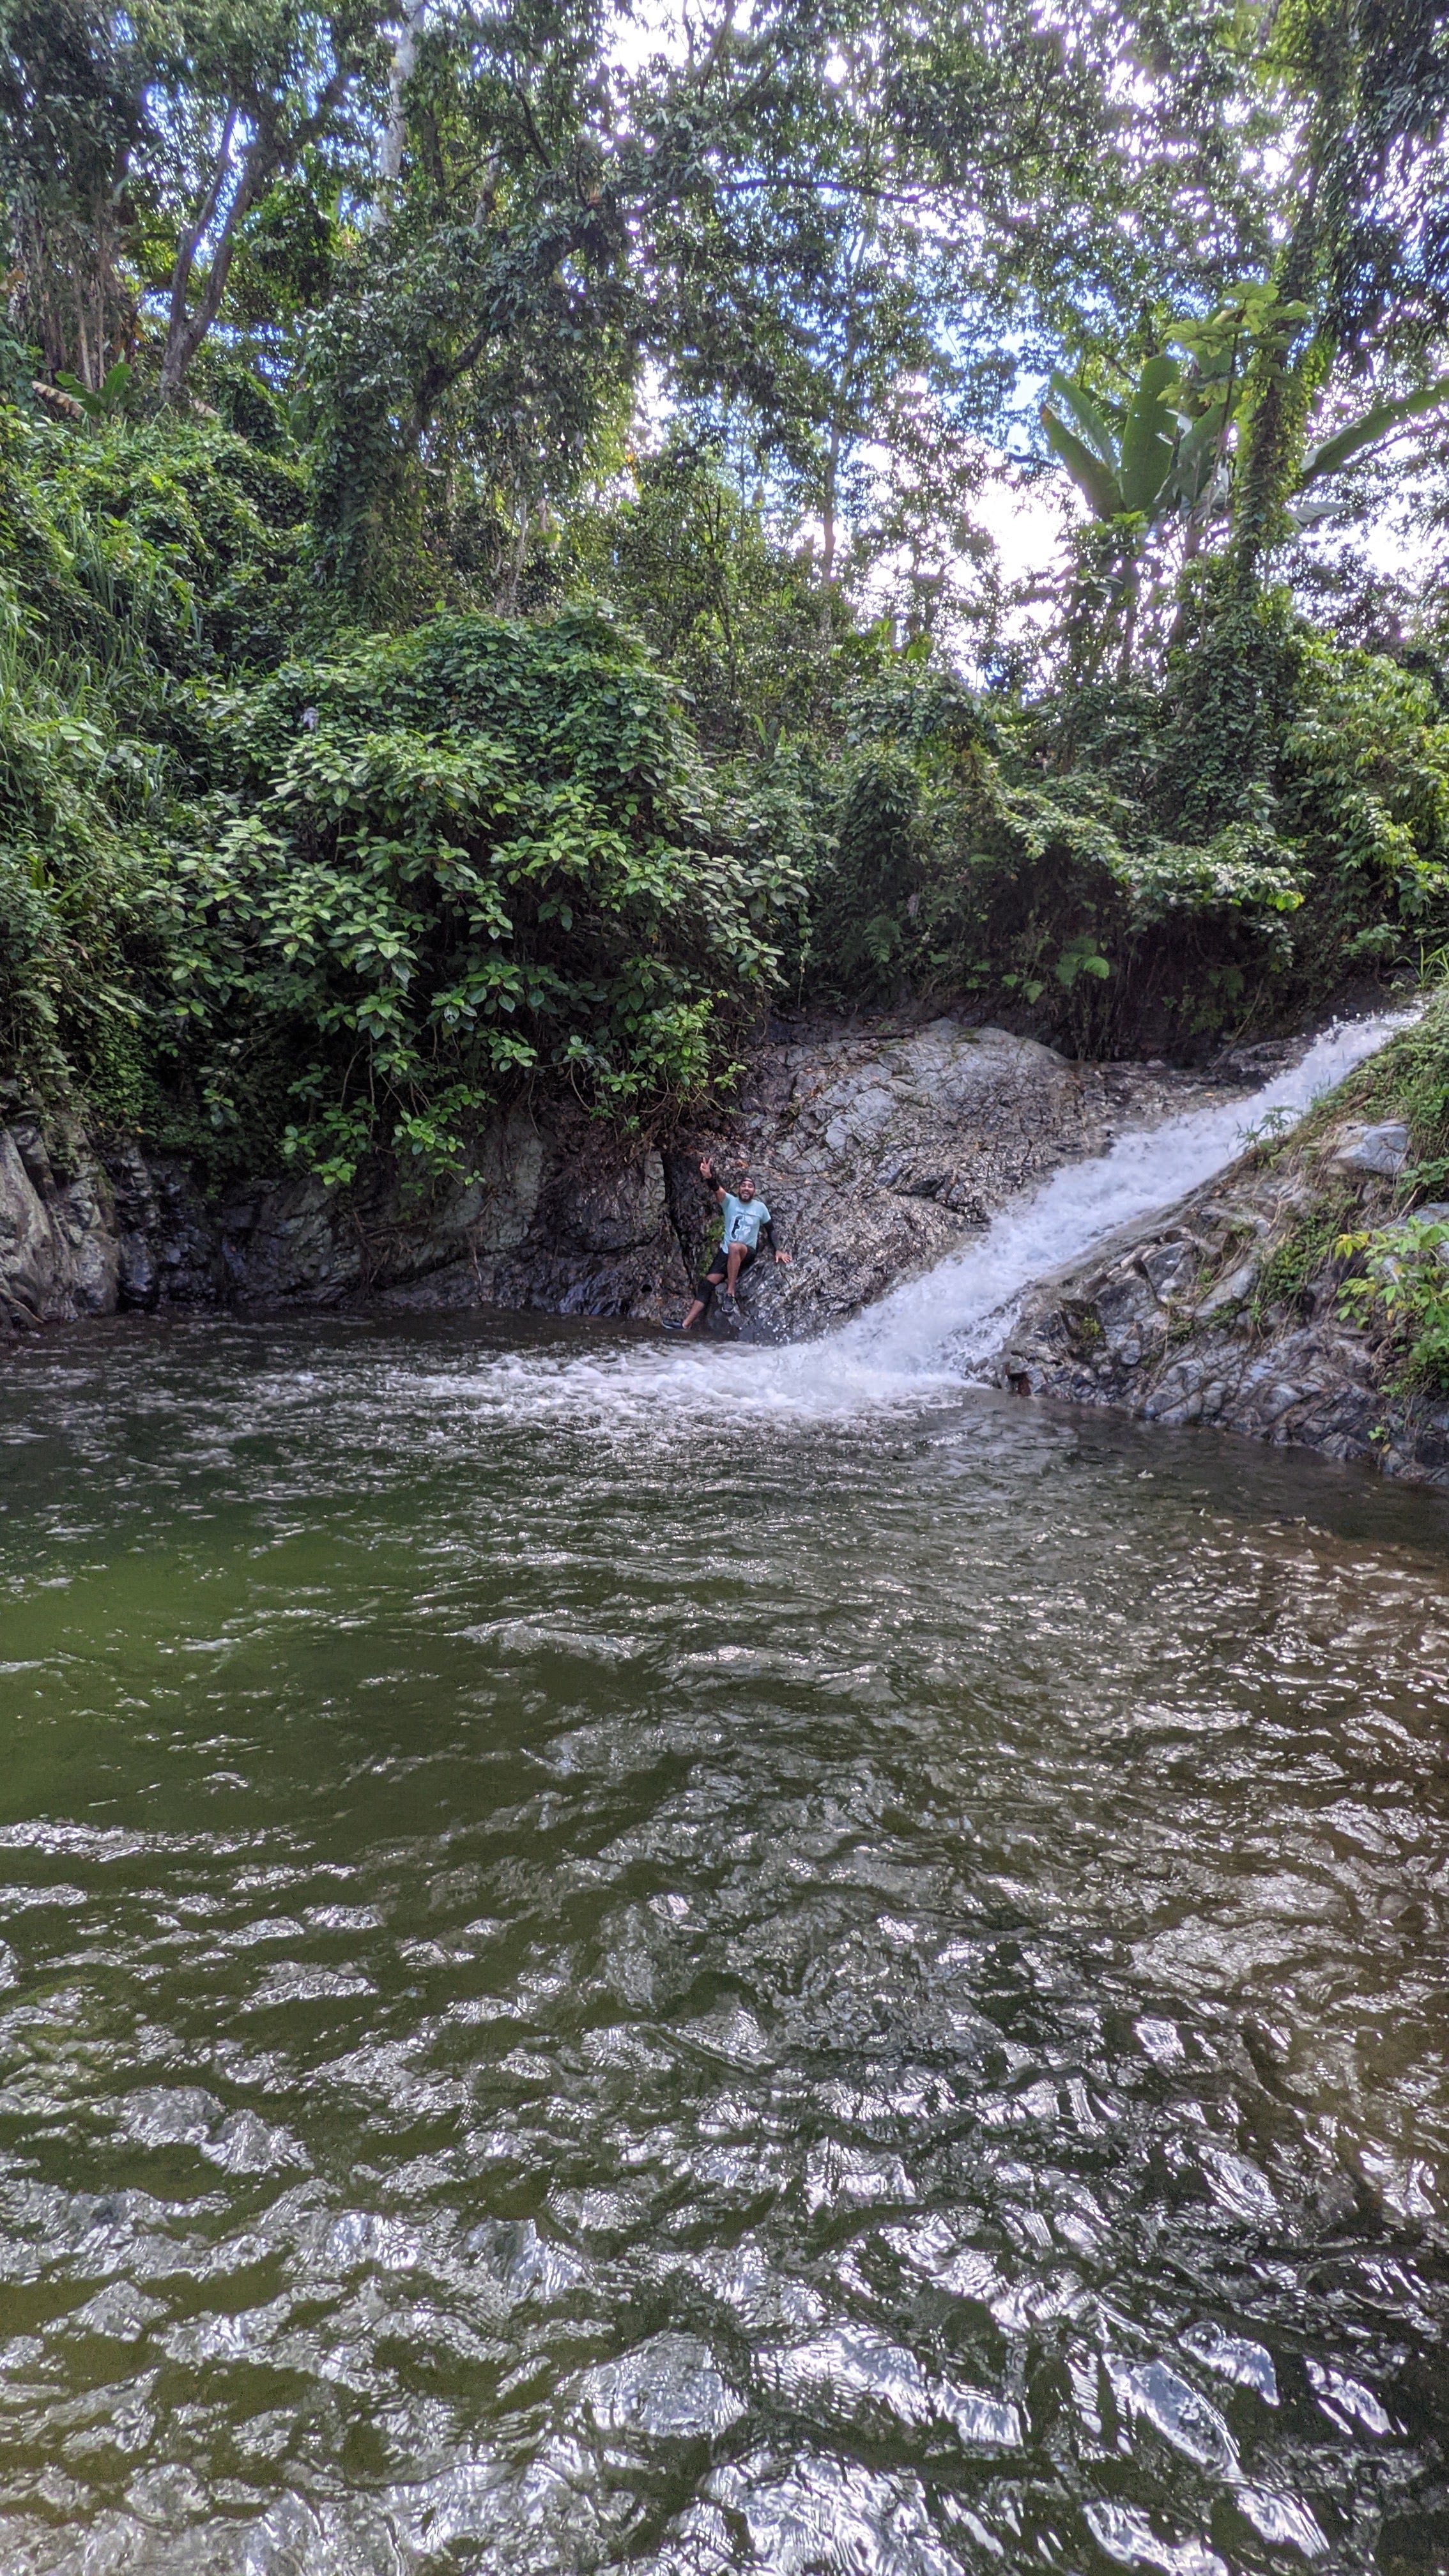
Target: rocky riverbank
(879, 1150)
(1228, 1307)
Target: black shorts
(713, 1274)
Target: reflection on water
(582, 1990)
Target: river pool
(597, 1974)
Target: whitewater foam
(934, 1334)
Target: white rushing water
(966, 1302)
(936, 1332)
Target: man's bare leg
(734, 1262)
(699, 1306)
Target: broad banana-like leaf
(1371, 426)
(1087, 471)
(90, 403)
(1197, 458)
(1314, 513)
(1148, 436)
(1094, 431)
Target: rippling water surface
(598, 1980)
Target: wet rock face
(170, 1241)
(878, 1152)
(1185, 1321)
(878, 1156)
(59, 1252)
(82, 1234)
(565, 1220)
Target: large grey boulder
(1379, 1152)
(881, 1152)
(59, 1254)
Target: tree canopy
(497, 538)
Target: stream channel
(616, 1955)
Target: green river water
(596, 1978)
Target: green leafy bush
(184, 538)
(1399, 1276)
(1364, 793)
(688, 562)
(79, 865)
(85, 777)
(352, 904)
(966, 857)
(1404, 1284)
(953, 872)
(443, 864)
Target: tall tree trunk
(1131, 587)
(827, 525)
(1280, 387)
(404, 63)
(1281, 384)
(506, 596)
(267, 157)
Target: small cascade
(934, 1334)
(961, 1312)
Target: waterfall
(936, 1333)
(962, 1310)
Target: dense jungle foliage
(497, 574)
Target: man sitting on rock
(747, 1224)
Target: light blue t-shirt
(743, 1219)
